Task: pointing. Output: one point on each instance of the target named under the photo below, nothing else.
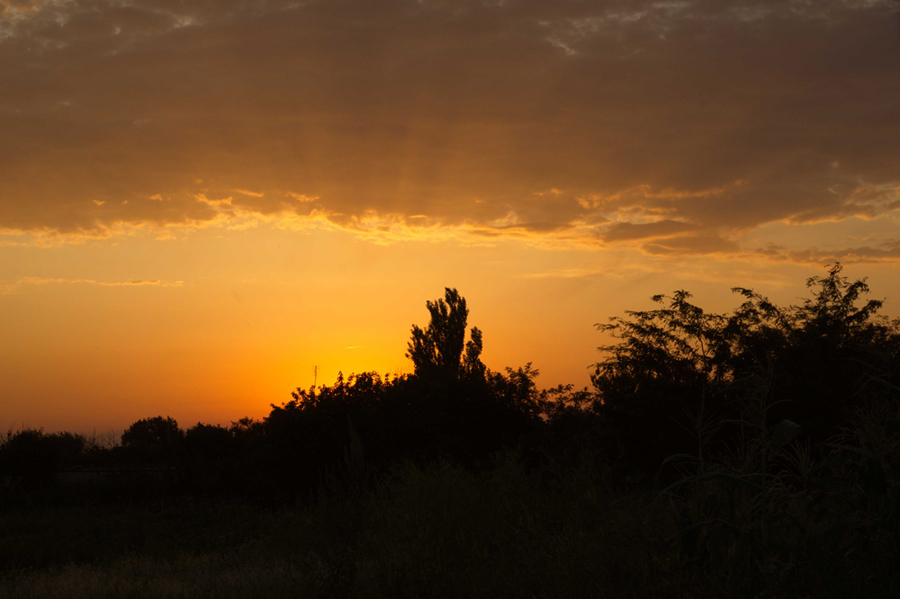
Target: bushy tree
(657, 383)
(152, 432)
(814, 355)
(676, 372)
(209, 441)
(33, 456)
(153, 439)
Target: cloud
(673, 127)
(255, 194)
(205, 200)
(694, 244)
(663, 228)
(304, 198)
(15, 286)
(885, 252)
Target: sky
(206, 204)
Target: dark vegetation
(751, 454)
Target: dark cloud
(683, 121)
(693, 244)
(662, 228)
(885, 252)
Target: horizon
(111, 433)
(202, 204)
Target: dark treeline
(772, 430)
(452, 407)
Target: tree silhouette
(472, 365)
(153, 440)
(152, 433)
(437, 350)
(675, 371)
(32, 456)
(818, 353)
(656, 385)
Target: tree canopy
(675, 371)
(438, 348)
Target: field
(437, 532)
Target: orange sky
(202, 201)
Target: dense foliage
(678, 373)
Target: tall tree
(438, 348)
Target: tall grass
(441, 531)
(776, 517)
(511, 530)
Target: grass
(438, 532)
(212, 575)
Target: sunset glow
(202, 204)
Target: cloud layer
(677, 127)
(18, 284)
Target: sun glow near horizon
(246, 327)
